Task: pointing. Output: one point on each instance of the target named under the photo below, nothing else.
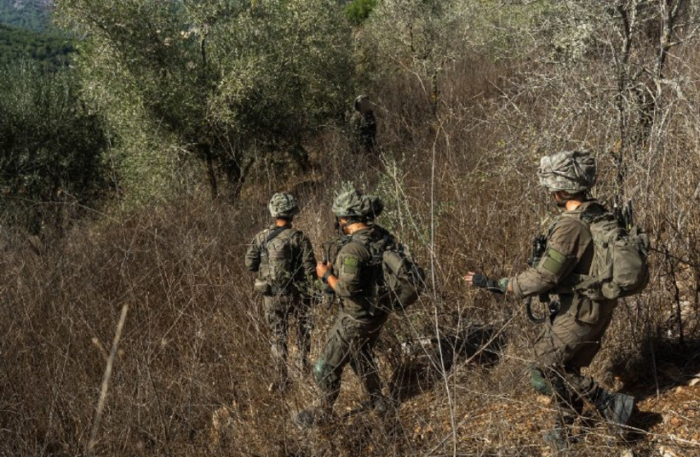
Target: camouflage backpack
(620, 266)
(275, 274)
(400, 280)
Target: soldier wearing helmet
(284, 260)
(572, 335)
(363, 126)
(359, 320)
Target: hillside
(133, 181)
(26, 14)
(50, 49)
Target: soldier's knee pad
(539, 382)
(324, 375)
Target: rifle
(328, 295)
(539, 246)
(625, 215)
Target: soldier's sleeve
(252, 255)
(348, 270)
(308, 259)
(558, 261)
(304, 260)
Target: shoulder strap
(272, 235)
(374, 245)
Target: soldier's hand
(497, 286)
(475, 279)
(322, 268)
(325, 288)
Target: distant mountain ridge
(27, 14)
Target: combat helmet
(283, 206)
(569, 171)
(358, 101)
(352, 204)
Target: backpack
(275, 271)
(620, 267)
(400, 280)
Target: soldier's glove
(325, 288)
(497, 286)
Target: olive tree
(417, 37)
(215, 82)
(51, 149)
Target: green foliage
(220, 82)
(50, 49)
(51, 148)
(359, 10)
(27, 14)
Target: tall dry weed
(192, 371)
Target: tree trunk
(213, 184)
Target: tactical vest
(276, 262)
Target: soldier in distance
(363, 126)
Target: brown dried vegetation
(192, 370)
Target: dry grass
(193, 366)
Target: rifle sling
(273, 234)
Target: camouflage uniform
(363, 126)
(290, 299)
(357, 325)
(360, 318)
(571, 338)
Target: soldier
(572, 335)
(363, 125)
(360, 317)
(284, 260)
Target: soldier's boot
(279, 356)
(319, 415)
(383, 407)
(558, 441)
(615, 407)
(386, 410)
(559, 438)
(312, 417)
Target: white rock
(627, 453)
(666, 452)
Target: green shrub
(52, 148)
(359, 10)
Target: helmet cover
(283, 205)
(352, 203)
(570, 171)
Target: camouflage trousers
(564, 346)
(279, 309)
(350, 341)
